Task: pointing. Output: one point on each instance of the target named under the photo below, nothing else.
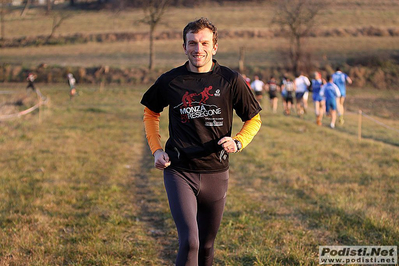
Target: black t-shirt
(200, 114)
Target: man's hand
(161, 159)
(228, 144)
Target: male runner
(273, 88)
(196, 156)
(340, 79)
(257, 85)
(301, 94)
(319, 101)
(331, 92)
(287, 92)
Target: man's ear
(215, 49)
(184, 48)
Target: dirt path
(153, 210)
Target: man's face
(200, 49)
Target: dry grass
(259, 52)
(79, 188)
(229, 16)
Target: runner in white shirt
(257, 85)
(301, 94)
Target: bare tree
(153, 14)
(26, 8)
(58, 18)
(297, 18)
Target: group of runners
(328, 94)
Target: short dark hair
(200, 24)
(329, 77)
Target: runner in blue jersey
(340, 79)
(319, 101)
(331, 92)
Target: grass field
(169, 53)
(78, 188)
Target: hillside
(362, 37)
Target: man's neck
(204, 69)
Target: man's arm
(151, 125)
(245, 136)
(348, 79)
(337, 91)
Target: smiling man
(201, 95)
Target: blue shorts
(299, 95)
(343, 92)
(318, 98)
(331, 104)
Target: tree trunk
(49, 6)
(298, 54)
(152, 54)
(26, 8)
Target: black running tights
(196, 201)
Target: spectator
(31, 82)
(72, 87)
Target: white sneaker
(332, 125)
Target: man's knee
(190, 244)
(207, 249)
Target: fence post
(359, 129)
(40, 108)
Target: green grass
(79, 188)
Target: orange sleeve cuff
(151, 125)
(249, 130)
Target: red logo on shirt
(205, 94)
(188, 99)
(194, 105)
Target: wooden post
(359, 129)
(40, 108)
(241, 65)
(104, 71)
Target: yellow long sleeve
(249, 130)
